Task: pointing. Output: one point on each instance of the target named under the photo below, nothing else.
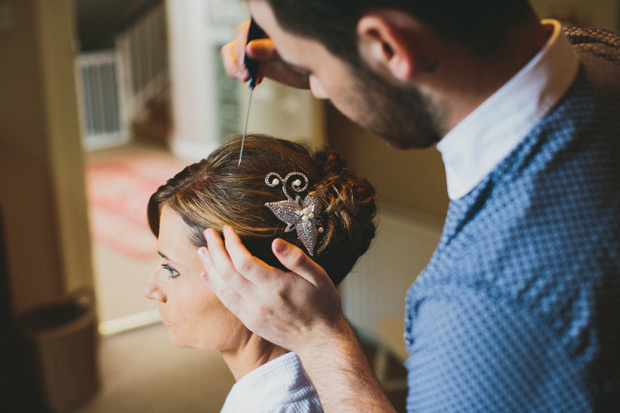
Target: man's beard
(401, 115)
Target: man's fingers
(229, 297)
(221, 273)
(261, 49)
(298, 262)
(238, 46)
(215, 254)
(255, 270)
(233, 65)
(241, 32)
(232, 54)
(265, 52)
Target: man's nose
(151, 288)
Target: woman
(281, 190)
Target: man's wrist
(335, 337)
(338, 368)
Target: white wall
(377, 286)
(285, 112)
(192, 78)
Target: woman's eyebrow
(173, 262)
(161, 254)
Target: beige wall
(42, 192)
(603, 14)
(411, 180)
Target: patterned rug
(118, 188)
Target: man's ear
(386, 41)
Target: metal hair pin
(254, 32)
(300, 213)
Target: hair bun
(349, 210)
(330, 162)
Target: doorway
(122, 78)
(119, 183)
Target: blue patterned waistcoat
(519, 307)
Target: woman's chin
(176, 341)
(180, 340)
(180, 343)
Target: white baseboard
(130, 322)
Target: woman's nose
(151, 288)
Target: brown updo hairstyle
(216, 192)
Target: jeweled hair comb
(299, 213)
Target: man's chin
(409, 144)
(399, 144)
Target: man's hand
(265, 52)
(298, 310)
(291, 309)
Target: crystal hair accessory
(300, 213)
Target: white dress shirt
(478, 144)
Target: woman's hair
(216, 192)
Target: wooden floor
(141, 371)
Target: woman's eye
(172, 273)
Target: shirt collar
(478, 144)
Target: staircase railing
(114, 85)
(98, 99)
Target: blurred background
(100, 103)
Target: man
(519, 308)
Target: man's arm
(341, 374)
(298, 310)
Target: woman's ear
(387, 42)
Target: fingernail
(205, 278)
(202, 252)
(240, 76)
(280, 246)
(209, 233)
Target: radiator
(375, 290)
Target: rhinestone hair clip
(300, 213)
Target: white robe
(277, 386)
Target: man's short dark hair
(481, 25)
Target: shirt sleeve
(470, 353)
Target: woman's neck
(252, 354)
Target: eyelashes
(172, 273)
